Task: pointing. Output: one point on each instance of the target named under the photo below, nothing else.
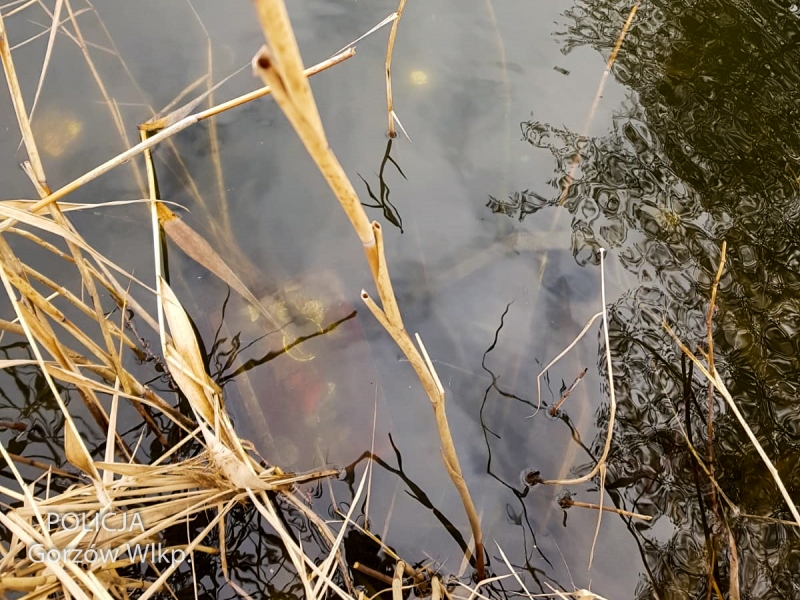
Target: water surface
(516, 174)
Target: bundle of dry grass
(121, 509)
(118, 517)
(74, 543)
(126, 505)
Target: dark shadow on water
(699, 153)
(381, 199)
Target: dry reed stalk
(48, 52)
(23, 4)
(22, 460)
(223, 215)
(389, 52)
(384, 282)
(152, 141)
(377, 575)
(569, 502)
(309, 129)
(280, 66)
(433, 388)
(596, 101)
(710, 338)
(601, 462)
(397, 581)
(719, 384)
(19, 105)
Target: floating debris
(418, 78)
(56, 130)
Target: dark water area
(526, 158)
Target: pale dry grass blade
(47, 54)
(561, 355)
(23, 4)
(612, 397)
(388, 67)
(386, 21)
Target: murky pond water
(525, 159)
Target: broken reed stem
(568, 392)
(397, 581)
(280, 66)
(569, 502)
(611, 394)
(389, 52)
(174, 128)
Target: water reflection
(390, 212)
(700, 149)
(699, 152)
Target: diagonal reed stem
(280, 66)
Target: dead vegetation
(78, 329)
(210, 470)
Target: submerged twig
(567, 502)
(554, 409)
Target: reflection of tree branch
(416, 492)
(382, 200)
(534, 572)
(255, 362)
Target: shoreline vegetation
(210, 470)
(205, 471)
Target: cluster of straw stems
(52, 318)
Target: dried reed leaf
(198, 249)
(47, 53)
(235, 470)
(45, 224)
